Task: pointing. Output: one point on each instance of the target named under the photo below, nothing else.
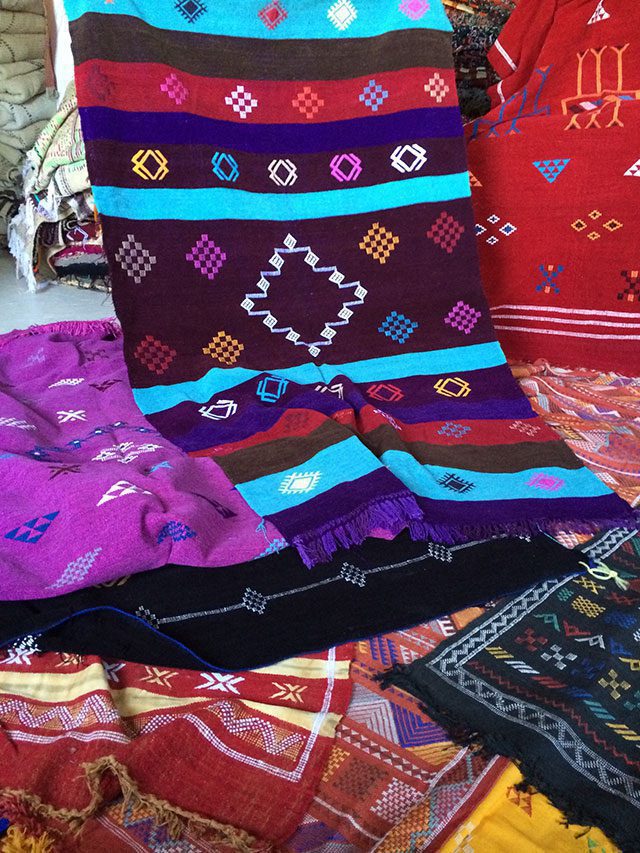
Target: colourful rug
(551, 679)
(597, 415)
(298, 349)
(557, 223)
(78, 461)
(241, 752)
(254, 614)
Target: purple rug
(90, 491)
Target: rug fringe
(166, 814)
(79, 328)
(449, 535)
(393, 513)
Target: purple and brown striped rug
(285, 199)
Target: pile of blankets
(56, 235)
(290, 558)
(25, 103)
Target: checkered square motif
(135, 260)
(272, 14)
(446, 232)
(155, 355)
(342, 14)
(207, 257)
(379, 242)
(224, 348)
(254, 601)
(191, 9)
(437, 88)
(373, 96)
(397, 327)
(454, 430)
(308, 102)
(463, 317)
(414, 9)
(241, 101)
(175, 89)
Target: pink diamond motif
(446, 232)
(546, 481)
(207, 257)
(272, 14)
(414, 9)
(175, 89)
(462, 317)
(352, 167)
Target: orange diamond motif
(224, 348)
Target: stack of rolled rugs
(56, 234)
(25, 105)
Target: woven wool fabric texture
(90, 491)
(286, 211)
(260, 612)
(556, 167)
(597, 414)
(550, 679)
(244, 749)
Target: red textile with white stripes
(556, 181)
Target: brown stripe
(487, 459)
(278, 455)
(124, 38)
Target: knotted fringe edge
(535, 773)
(78, 328)
(392, 513)
(17, 841)
(164, 813)
(445, 535)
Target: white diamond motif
(241, 101)
(409, 158)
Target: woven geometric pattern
(175, 89)
(154, 354)
(150, 165)
(191, 9)
(437, 88)
(241, 101)
(398, 327)
(463, 317)
(224, 348)
(414, 9)
(446, 232)
(272, 14)
(308, 102)
(134, 259)
(373, 95)
(207, 257)
(342, 14)
(379, 242)
(225, 166)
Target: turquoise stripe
(195, 205)
(341, 463)
(423, 480)
(158, 398)
(240, 17)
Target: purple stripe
(162, 128)
(465, 514)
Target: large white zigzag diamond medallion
(277, 261)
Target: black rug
(551, 679)
(273, 608)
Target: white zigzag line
(266, 274)
(60, 713)
(232, 724)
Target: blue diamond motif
(508, 229)
(397, 327)
(225, 167)
(373, 95)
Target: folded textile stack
(216, 605)
(476, 26)
(56, 235)
(25, 105)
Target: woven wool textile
(557, 167)
(551, 679)
(286, 210)
(78, 462)
(246, 749)
(597, 414)
(254, 614)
